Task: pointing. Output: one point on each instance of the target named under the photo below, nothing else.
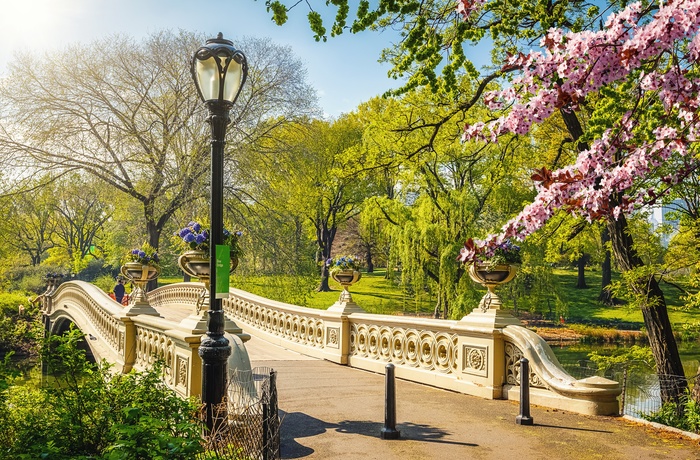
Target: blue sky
(344, 70)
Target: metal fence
(641, 388)
(252, 428)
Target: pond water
(578, 352)
(641, 386)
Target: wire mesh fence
(641, 386)
(249, 427)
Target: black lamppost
(219, 71)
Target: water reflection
(641, 386)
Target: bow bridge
(477, 355)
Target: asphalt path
(330, 411)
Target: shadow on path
(296, 425)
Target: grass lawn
(376, 294)
(583, 303)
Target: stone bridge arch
(62, 324)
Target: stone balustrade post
(481, 351)
(127, 343)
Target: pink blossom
(577, 64)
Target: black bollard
(389, 431)
(524, 417)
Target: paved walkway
(331, 411)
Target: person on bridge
(119, 290)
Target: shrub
(686, 417)
(92, 413)
(18, 332)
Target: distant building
(659, 216)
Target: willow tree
(444, 192)
(127, 113)
(641, 58)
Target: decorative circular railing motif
(298, 328)
(404, 346)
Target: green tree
(446, 191)
(29, 223)
(137, 124)
(81, 213)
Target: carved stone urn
(140, 274)
(196, 264)
(490, 277)
(346, 278)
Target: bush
(686, 417)
(28, 279)
(93, 413)
(18, 332)
(10, 302)
(106, 283)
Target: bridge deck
(175, 313)
(333, 411)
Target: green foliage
(634, 357)
(433, 36)
(291, 289)
(279, 11)
(684, 415)
(93, 413)
(106, 283)
(19, 332)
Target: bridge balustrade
(477, 355)
(130, 342)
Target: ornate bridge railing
(478, 355)
(127, 341)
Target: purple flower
(142, 254)
(196, 227)
(189, 238)
(184, 232)
(201, 238)
(239, 233)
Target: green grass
(376, 294)
(583, 303)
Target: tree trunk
(368, 258)
(606, 296)
(324, 286)
(325, 238)
(661, 340)
(581, 278)
(153, 232)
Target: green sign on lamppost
(219, 71)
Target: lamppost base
(390, 434)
